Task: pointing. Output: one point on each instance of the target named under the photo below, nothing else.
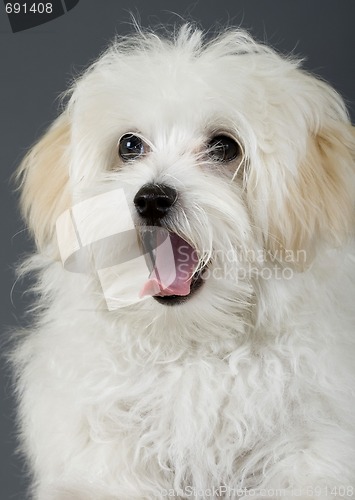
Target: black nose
(153, 201)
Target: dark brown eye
(223, 148)
(130, 147)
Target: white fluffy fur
(249, 384)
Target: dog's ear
(314, 204)
(319, 204)
(43, 178)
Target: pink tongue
(175, 263)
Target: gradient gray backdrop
(36, 65)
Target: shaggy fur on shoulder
(245, 386)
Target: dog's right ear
(43, 179)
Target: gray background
(36, 65)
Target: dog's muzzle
(173, 260)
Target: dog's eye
(130, 146)
(223, 148)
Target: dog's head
(235, 150)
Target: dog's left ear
(43, 179)
(314, 204)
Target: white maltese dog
(193, 208)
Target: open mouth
(172, 300)
(173, 263)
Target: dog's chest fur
(196, 416)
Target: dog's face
(228, 146)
